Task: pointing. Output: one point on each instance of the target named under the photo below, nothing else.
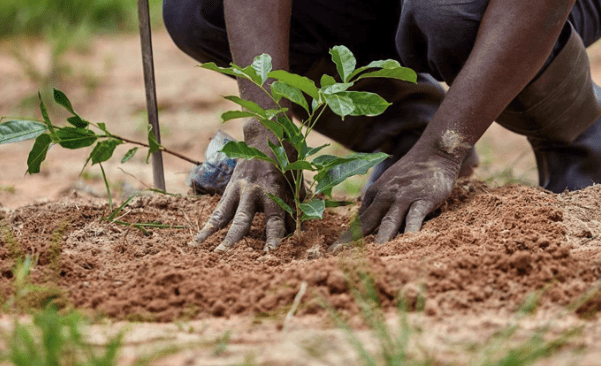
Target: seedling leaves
(224, 70)
(62, 99)
(313, 150)
(262, 65)
(313, 210)
(78, 122)
(247, 104)
(153, 145)
(337, 87)
(327, 80)
(238, 149)
(364, 103)
(75, 138)
(272, 126)
(129, 154)
(46, 117)
(103, 150)
(382, 64)
(300, 165)
(354, 164)
(230, 115)
(280, 202)
(400, 73)
(300, 82)
(38, 153)
(340, 104)
(20, 130)
(291, 93)
(280, 154)
(344, 60)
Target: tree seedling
(329, 170)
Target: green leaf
(291, 93)
(358, 163)
(400, 73)
(327, 80)
(280, 154)
(102, 127)
(293, 133)
(75, 138)
(382, 64)
(262, 65)
(300, 82)
(249, 105)
(46, 118)
(300, 165)
(280, 202)
(364, 103)
(312, 210)
(247, 73)
(314, 150)
(340, 104)
(344, 60)
(153, 144)
(103, 150)
(20, 130)
(223, 70)
(272, 126)
(324, 161)
(239, 150)
(230, 115)
(78, 122)
(38, 153)
(129, 154)
(336, 88)
(62, 99)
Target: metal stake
(150, 86)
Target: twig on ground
(295, 304)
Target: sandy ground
(477, 261)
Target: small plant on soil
(335, 94)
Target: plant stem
(162, 148)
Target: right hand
(244, 196)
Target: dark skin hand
(254, 27)
(504, 59)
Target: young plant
(329, 170)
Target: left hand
(409, 190)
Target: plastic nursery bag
(212, 176)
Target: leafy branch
(330, 170)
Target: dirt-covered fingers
(223, 214)
(241, 223)
(391, 223)
(276, 230)
(416, 215)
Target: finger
(368, 222)
(241, 224)
(369, 197)
(416, 215)
(391, 223)
(276, 230)
(223, 214)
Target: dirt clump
(485, 249)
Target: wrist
(450, 145)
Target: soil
(483, 255)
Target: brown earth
(473, 265)
(488, 249)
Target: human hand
(244, 196)
(408, 191)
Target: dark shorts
(430, 36)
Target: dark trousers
(430, 36)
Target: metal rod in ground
(150, 86)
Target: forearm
(257, 27)
(514, 40)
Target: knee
(197, 28)
(437, 36)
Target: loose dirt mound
(485, 249)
